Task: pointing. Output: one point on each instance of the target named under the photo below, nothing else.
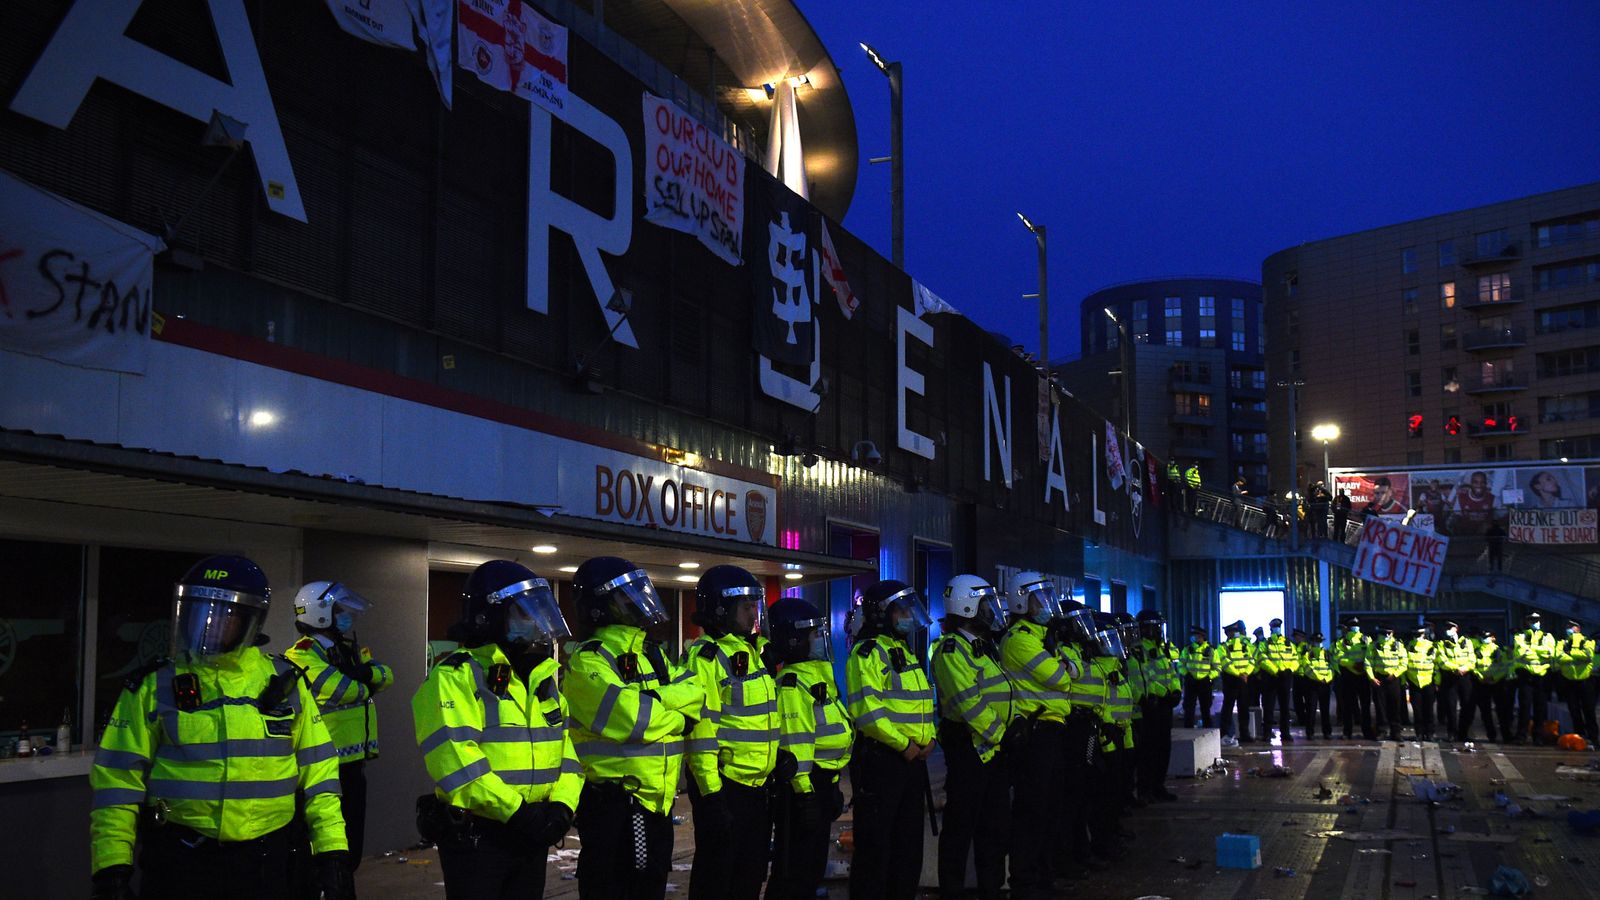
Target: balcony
(1246, 390)
(1507, 254)
(1498, 384)
(1510, 426)
(1189, 381)
(1192, 418)
(1475, 302)
(1248, 418)
(1494, 338)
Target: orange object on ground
(1572, 742)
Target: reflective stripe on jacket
(1317, 663)
(973, 690)
(1041, 679)
(888, 694)
(1419, 663)
(218, 763)
(1575, 657)
(1535, 651)
(1276, 654)
(816, 728)
(1238, 657)
(1201, 661)
(349, 708)
(737, 738)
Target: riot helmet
(219, 606)
(892, 607)
(613, 591)
(970, 597)
(1031, 596)
(799, 631)
(1077, 622)
(729, 600)
(1152, 625)
(321, 605)
(504, 602)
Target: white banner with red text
(693, 180)
(1400, 556)
(1554, 526)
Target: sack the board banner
(693, 180)
(1400, 556)
(781, 235)
(1554, 526)
(510, 47)
(599, 483)
(74, 284)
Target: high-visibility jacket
(816, 728)
(492, 740)
(1041, 678)
(193, 739)
(1201, 661)
(622, 734)
(1173, 475)
(1316, 661)
(1238, 657)
(1535, 650)
(1575, 657)
(888, 694)
(1419, 663)
(1455, 655)
(1354, 653)
(349, 708)
(1388, 659)
(1119, 706)
(1161, 669)
(1134, 679)
(737, 738)
(1276, 654)
(1088, 691)
(973, 689)
(1486, 651)
(1504, 666)
(1192, 476)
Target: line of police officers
(238, 775)
(1449, 680)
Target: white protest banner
(74, 284)
(1399, 556)
(693, 180)
(1554, 526)
(386, 22)
(510, 47)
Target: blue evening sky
(1181, 138)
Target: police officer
(1575, 663)
(816, 730)
(1454, 660)
(1316, 661)
(1162, 690)
(205, 755)
(1484, 687)
(345, 680)
(1388, 667)
(1042, 681)
(1352, 652)
(1534, 650)
(1108, 785)
(1277, 660)
(891, 703)
(1238, 661)
(974, 711)
(491, 724)
(1076, 646)
(1201, 663)
(631, 710)
(733, 749)
(1420, 675)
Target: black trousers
(497, 866)
(1355, 704)
(626, 849)
(353, 803)
(977, 815)
(1391, 697)
(1037, 779)
(730, 856)
(1081, 749)
(1302, 701)
(1455, 693)
(1234, 695)
(171, 869)
(1275, 691)
(1505, 700)
(1154, 745)
(1580, 697)
(800, 842)
(1197, 693)
(1480, 701)
(889, 813)
(1319, 697)
(1107, 798)
(1423, 700)
(1532, 698)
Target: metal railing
(1486, 338)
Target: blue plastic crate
(1238, 851)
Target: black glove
(712, 813)
(530, 823)
(334, 876)
(346, 657)
(558, 817)
(807, 813)
(1016, 736)
(787, 766)
(112, 883)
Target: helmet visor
(1108, 642)
(819, 637)
(348, 606)
(1079, 625)
(634, 599)
(991, 612)
(1042, 603)
(1153, 629)
(208, 625)
(532, 614)
(748, 604)
(910, 606)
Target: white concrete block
(1193, 748)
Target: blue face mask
(1535, 626)
(1277, 631)
(1355, 629)
(344, 622)
(905, 627)
(819, 646)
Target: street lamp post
(1044, 295)
(897, 169)
(1294, 385)
(1325, 433)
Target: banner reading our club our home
(693, 180)
(1554, 526)
(1400, 556)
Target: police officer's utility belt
(154, 827)
(440, 823)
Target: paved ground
(1346, 822)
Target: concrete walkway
(1346, 822)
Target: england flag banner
(74, 284)
(510, 47)
(693, 180)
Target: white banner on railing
(1554, 526)
(74, 284)
(693, 180)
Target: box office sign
(596, 483)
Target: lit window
(1447, 295)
